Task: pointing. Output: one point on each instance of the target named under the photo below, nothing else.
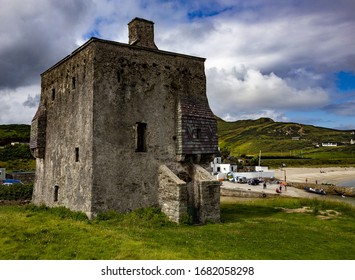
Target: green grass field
(256, 229)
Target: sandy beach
(326, 175)
(330, 175)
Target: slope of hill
(281, 139)
(14, 133)
(276, 140)
(15, 157)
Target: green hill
(281, 140)
(14, 133)
(290, 143)
(16, 157)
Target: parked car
(253, 181)
(8, 182)
(242, 180)
(230, 177)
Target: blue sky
(288, 60)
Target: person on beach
(264, 185)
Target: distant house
(223, 170)
(219, 167)
(352, 142)
(2, 174)
(329, 144)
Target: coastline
(320, 175)
(296, 179)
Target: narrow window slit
(141, 145)
(56, 192)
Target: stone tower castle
(126, 126)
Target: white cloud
(247, 91)
(272, 114)
(263, 57)
(13, 104)
(343, 109)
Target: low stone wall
(347, 191)
(246, 194)
(209, 195)
(197, 196)
(172, 194)
(24, 177)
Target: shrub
(16, 192)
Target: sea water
(350, 200)
(347, 184)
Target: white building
(260, 172)
(329, 144)
(219, 167)
(261, 168)
(2, 174)
(220, 170)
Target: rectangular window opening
(141, 145)
(53, 94)
(198, 133)
(76, 154)
(56, 192)
(73, 83)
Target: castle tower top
(141, 33)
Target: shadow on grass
(239, 212)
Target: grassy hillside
(248, 137)
(14, 133)
(17, 157)
(276, 140)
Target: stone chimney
(141, 33)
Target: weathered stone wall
(246, 193)
(66, 165)
(134, 85)
(121, 123)
(172, 194)
(207, 199)
(38, 132)
(141, 33)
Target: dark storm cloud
(35, 34)
(284, 54)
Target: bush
(16, 192)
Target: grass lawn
(250, 229)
